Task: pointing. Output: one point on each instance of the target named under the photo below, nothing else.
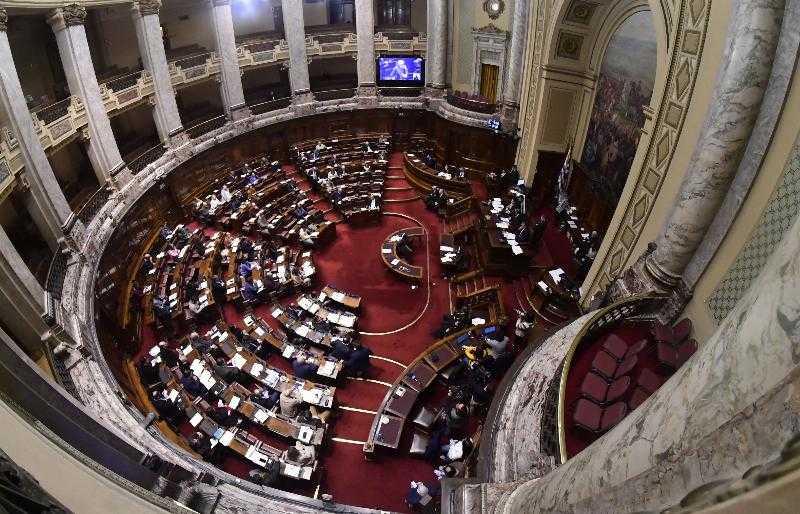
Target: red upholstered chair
(662, 333)
(681, 330)
(613, 415)
(594, 388)
(626, 366)
(686, 350)
(638, 397)
(615, 347)
(587, 415)
(649, 381)
(618, 388)
(667, 356)
(637, 347)
(604, 365)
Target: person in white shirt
(225, 194)
(522, 328)
(213, 203)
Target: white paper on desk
(196, 366)
(395, 238)
(160, 255)
(478, 321)
(187, 349)
(223, 336)
(305, 434)
(156, 361)
(502, 225)
(395, 262)
(259, 332)
(173, 296)
(292, 470)
(155, 350)
(238, 360)
(312, 395)
(509, 235)
(313, 308)
(304, 302)
(196, 419)
(235, 400)
(302, 330)
(288, 350)
(151, 272)
(400, 391)
(327, 369)
(203, 284)
(272, 378)
(231, 290)
(516, 249)
(147, 289)
(446, 249)
(173, 395)
(543, 286)
(276, 313)
(556, 275)
(384, 419)
(387, 250)
(260, 416)
(226, 438)
(248, 320)
(256, 369)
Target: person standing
(522, 329)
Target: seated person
(218, 289)
(246, 247)
(202, 211)
(434, 199)
(299, 212)
(147, 263)
(267, 476)
(457, 416)
(164, 406)
(225, 194)
(404, 246)
(213, 203)
(523, 234)
(192, 385)
(182, 234)
(251, 292)
(290, 403)
(266, 398)
(172, 254)
(193, 289)
(456, 450)
(200, 443)
(341, 348)
(304, 368)
(299, 454)
(496, 344)
(262, 220)
(358, 362)
(245, 268)
(305, 237)
(225, 371)
(201, 344)
(237, 199)
(336, 197)
(165, 234)
(162, 309)
(168, 355)
(224, 415)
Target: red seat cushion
(636, 347)
(613, 415)
(681, 330)
(627, 366)
(649, 381)
(605, 365)
(587, 415)
(615, 346)
(667, 355)
(618, 388)
(594, 388)
(638, 397)
(662, 333)
(686, 350)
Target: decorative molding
(685, 60)
(494, 8)
(580, 12)
(3, 19)
(569, 45)
(149, 7)
(73, 14)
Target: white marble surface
(365, 33)
(436, 52)
(295, 34)
(231, 83)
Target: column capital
(67, 16)
(147, 7)
(3, 19)
(215, 3)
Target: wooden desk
(401, 401)
(425, 177)
(388, 431)
(396, 263)
(349, 300)
(419, 376)
(442, 357)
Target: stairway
(460, 223)
(473, 282)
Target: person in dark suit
(358, 362)
(266, 398)
(341, 348)
(304, 368)
(192, 385)
(147, 263)
(218, 289)
(225, 371)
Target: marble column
(731, 406)
(741, 83)
(365, 29)
(514, 65)
(154, 59)
(230, 73)
(73, 47)
(48, 206)
(22, 297)
(295, 33)
(436, 53)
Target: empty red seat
(638, 397)
(649, 381)
(618, 388)
(613, 415)
(595, 419)
(615, 347)
(681, 330)
(594, 388)
(636, 347)
(605, 365)
(662, 333)
(686, 350)
(626, 366)
(667, 356)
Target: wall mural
(623, 89)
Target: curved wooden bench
(396, 263)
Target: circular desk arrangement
(394, 261)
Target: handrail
(470, 104)
(334, 94)
(614, 313)
(271, 105)
(148, 156)
(192, 61)
(93, 205)
(206, 126)
(50, 113)
(123, 81)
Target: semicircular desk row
(394, 261)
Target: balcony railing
(124, 82)
(93, 205)
(334, 94)
(474, 103)
(271, 105)
(148, 156)
(206, 126)
(53, 112)
(193, 61)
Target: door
(489, 74)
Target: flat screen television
(400, 71)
